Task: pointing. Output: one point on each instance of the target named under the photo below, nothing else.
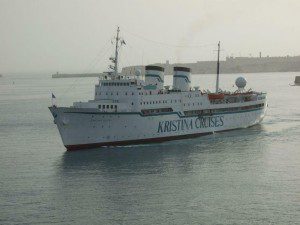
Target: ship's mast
(218, 69)
(117, 53)
(115, 60)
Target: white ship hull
(87, 128)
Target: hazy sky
(74, 35)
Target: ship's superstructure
(135, 110)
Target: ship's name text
(190, 124)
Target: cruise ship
(137, 110)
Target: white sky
(74, 35)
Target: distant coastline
(69, 75)
(231, 65)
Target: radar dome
(240, 82)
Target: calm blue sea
(248, 176)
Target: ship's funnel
(182, 78)
(154, 75)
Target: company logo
(184, 77)
(190, 124)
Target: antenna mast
(218, 69)
(115, 60)
(117, 53)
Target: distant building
(233, 65)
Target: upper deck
(135, 95)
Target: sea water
(246, 176)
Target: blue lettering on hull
(190, 124)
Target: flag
(123, 42)
(53, 96)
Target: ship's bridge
(123, 89)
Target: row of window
(107, 106)
(233, 100)
(140, 93)
(193, 104)
(156, 111)
(117, 93)
(159, 102)
(210, 111)
(197, 112)
(115, 84)
(190, 95)
(235, 109)
(112, 93)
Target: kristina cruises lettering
(190, 124)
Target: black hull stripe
(133, 142)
